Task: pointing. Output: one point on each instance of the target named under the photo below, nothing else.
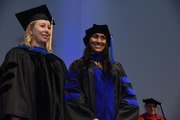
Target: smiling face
(40, 33)
(97, 43)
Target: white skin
(40, 33)
(151, 109)
(95, 119)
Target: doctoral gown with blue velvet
(36, 91)
(93, 95)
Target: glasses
(152, 106)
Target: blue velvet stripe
(132, 102)
(71, 96)
(111, 49)
(125, 80)
(130, 91)
(70, 85)
(96, 57)
(104, 96)
(34, 49)
(71, 75)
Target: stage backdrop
(146, 39)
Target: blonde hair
(28, 37)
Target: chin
(97, 52)
(44, 41)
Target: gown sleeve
(36, 86)
(8, 88)
(128, 105)
(75, 103)
(5, 77)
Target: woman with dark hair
(97, 88)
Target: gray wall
(146, 39)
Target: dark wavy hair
(106, 63)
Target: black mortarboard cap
(37, 13)
(97, 29)
(151, 101)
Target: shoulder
(117, 66)
(140, 117)
(15, 51)
(76, 65)
(12, 56)
(160, 117)
(77, 62)
(55, 57)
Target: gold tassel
(49, 43)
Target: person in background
(97, 88)
(35, 75)
(151, 110)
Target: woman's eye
(95, 36)
(42, 25)
(103, 37)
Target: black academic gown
(36, 91)
(80, 98)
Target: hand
(95, 119)
(5, 77)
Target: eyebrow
(98, 34)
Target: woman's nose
(99, 39)
(47, 29)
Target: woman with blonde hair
(37, 80)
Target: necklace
(98, 64)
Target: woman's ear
(30, 31)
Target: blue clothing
(104, 96)
(89, 94)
